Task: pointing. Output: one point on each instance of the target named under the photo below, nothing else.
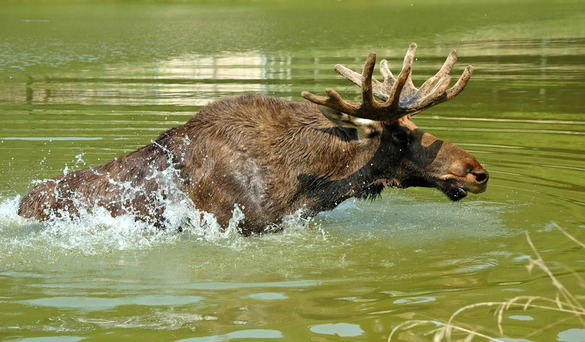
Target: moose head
(406, 154)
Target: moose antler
(400, 95)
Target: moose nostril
(481, 176)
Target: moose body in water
(272, 158)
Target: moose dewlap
(272, 158)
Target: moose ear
(366, 128)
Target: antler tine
(349, 74)
(440, 93)
(368, 101)
(379, 89)
(403, 78)
(386, 73)
(445, 70)
(389, 81)
(368, 105)
(433, 97)
(334, 101)
(461, 83)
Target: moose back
(272, 158)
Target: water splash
(95, 231)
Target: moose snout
(467, 174)
(481, 176)
(476, 180)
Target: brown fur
(268, 156)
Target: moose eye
(400, 136)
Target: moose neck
(346, 168)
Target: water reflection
(256, 334)
(182, 81)
(188, 80)
(102, 303)
(572, 335)
(338, 329)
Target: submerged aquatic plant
(564, 302)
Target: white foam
(95, 231)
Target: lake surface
(82, 83)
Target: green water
(83, 82)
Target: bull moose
(272, 158)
